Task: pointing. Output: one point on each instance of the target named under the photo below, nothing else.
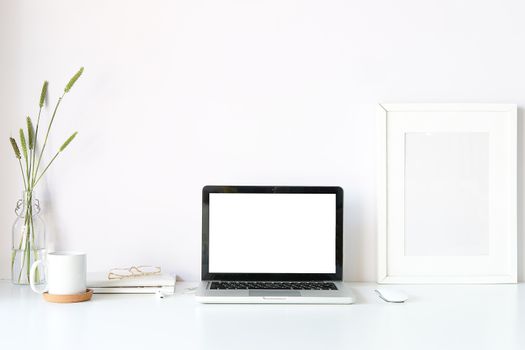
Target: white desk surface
(435, 317)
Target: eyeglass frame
(134, 270)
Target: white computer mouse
(391, 295)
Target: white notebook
(99, 283)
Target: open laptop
(272, 244)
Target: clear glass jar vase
(28, 239)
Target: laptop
(272, 244)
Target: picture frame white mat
(447, 201)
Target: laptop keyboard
(274, 285)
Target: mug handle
(32, 277)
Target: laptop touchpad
(274, 293)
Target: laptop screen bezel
(337, 276)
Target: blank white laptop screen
(272, 233)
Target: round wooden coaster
(73, 298)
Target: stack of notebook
(99, 283)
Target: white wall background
(180, 94)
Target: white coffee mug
(65, 273)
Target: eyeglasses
(133, 271)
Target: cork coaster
(73, 298)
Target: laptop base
(262, 296)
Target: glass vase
(28, 240)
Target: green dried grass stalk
(68, 141)
(23, 143)
(63, 147)
(43, 94)
(30, 134)
(74, 79)
(15, 148)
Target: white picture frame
(447, 193)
